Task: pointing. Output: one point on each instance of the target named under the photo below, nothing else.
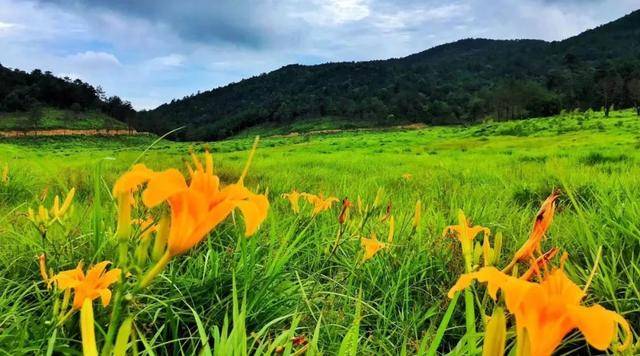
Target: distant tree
(633, 86)
(609, 84)
(34, 117)
(75, 108)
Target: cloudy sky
(150, 51)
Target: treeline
(31, 92)
(460, 82)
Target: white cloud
(403, 19)
(6, 25)
(97, 59)
(70, 75)
(332, 12)
(172, 60)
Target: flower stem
(155, 270)
(470, 315)
(87, 330)
(113, 323)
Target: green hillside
(40, 100)
(51, 119)
(461, 82)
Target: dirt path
(67, 132)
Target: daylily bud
(416, 215)
(160, 242)
(495, 334)
(42, 262)
(123, 231)
(346, 204)
(376, 201)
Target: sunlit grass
(292, 279)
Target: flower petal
(130, 181)
(597, 324)
(162, 186)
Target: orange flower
(407, 176)
(319, 202)
(540, 226)
(293, 198)
(90, 286)
(199, 207)
(546, 312)
(464, 231)
(371, 246)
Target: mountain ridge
(458, 82)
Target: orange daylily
(319, 202)
(293, 198)
(94, 284)
(547, 311)
(464, 231)
(371, 246)
(540, 226)
(198, 207)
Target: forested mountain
(460, 82)
(34, 92)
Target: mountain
(460, 82)
(39, 100)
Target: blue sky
(151, 51)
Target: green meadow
(300, 283)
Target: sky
(152, 51)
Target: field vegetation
(374, 280)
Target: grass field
(51, 119)
(301, 278)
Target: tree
(609, 84)
(634, 92)
(34, 117)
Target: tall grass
(233, 295)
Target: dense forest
(460, 82)
(31, 92)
